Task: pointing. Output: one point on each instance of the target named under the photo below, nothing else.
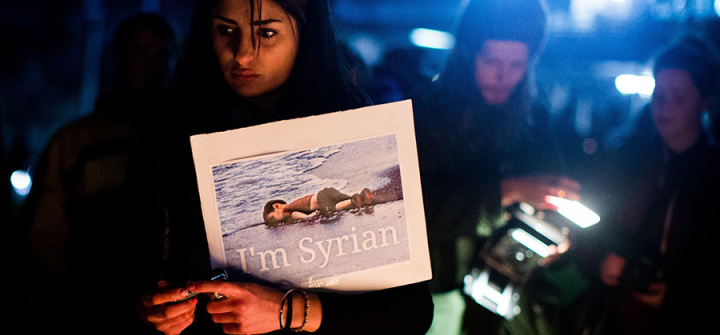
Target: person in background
(659, 244)
(360, 72)
(83, 236)
(400, 75)
(250, 62)
(483, 138)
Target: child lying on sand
(326, 201)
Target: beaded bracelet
(288, 297)
(306, 297)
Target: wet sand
(362, 165)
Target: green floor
(449, 309)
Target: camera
(527, 241)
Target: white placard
(361, 247)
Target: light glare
(434, 39)
(21, 182)
(531, 242)
(574, 211)
(632, 84)
(501, 302)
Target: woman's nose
(502, 73)
(245, 51)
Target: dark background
(54, 60)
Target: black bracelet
(289, 317)
(287, 320)
(286, 326)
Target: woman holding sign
(250, 62)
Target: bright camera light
(434, 39)
(574, 211)
(21, 182)
(531, 242)
(632, 84)
(499, 300)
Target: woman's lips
(244, 75)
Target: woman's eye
(267, 33)
(225, 30)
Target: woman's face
(253, 70)
(499, 67)
(677, 108)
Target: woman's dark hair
(320, 81)
(696, 55)
(515, 20)
(700, 57)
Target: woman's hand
(249, 308)
(160, 311)
(534, 190)
(611, 269)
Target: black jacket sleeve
(401, 310)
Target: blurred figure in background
(484, 144)
(78, 212)
(399, 76)
(659, 245)
(714, 122)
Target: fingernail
(184, 292)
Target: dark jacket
(403, 310)
(669, 199)
(82, 217)
(466, 148)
